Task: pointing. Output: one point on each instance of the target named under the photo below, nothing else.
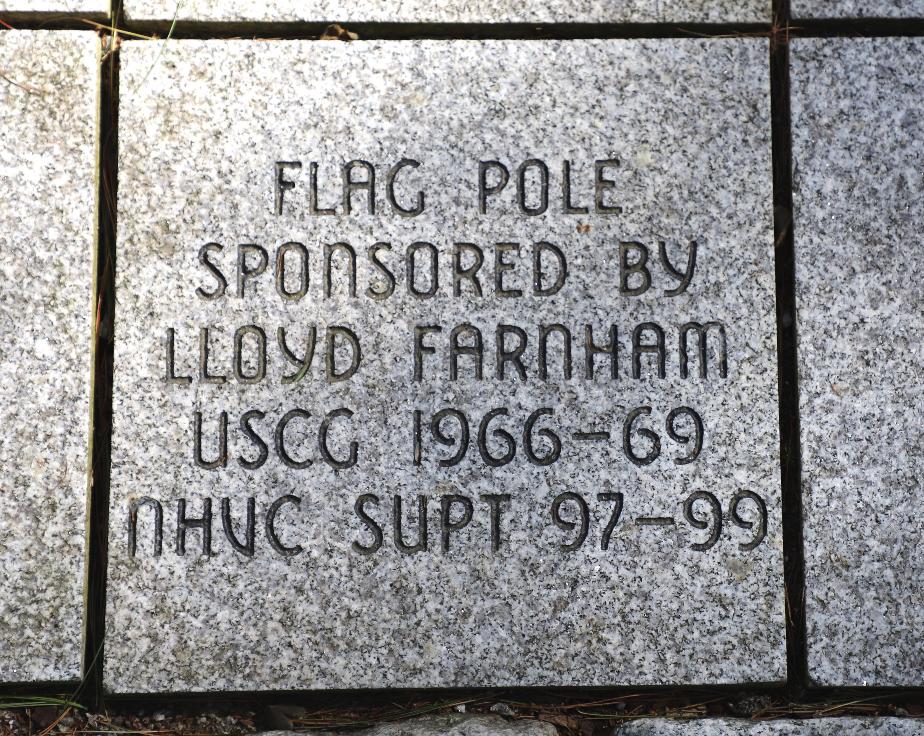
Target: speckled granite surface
(455, 11)
(449, 725)
(48, 112)
(202, 127)
(858, 153)
(814, 727)
(92, 7)
(858, 8)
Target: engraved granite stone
(556, 348)
(454, 11)
(858, 8)
(91, 8)
(814, 727)
(48, 116)
(858, 140)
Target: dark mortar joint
(90, 691)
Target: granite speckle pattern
(201, 129)
(48, 114)
(455, 724)
(815, 727)
(92, 7)
(858, 154)
(455, 11)
(858, 8)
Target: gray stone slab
(858, 9)
(857, 136)
(454, 11)
(682, 127)
(455, 724)
(92, 8)
(48, 114)
(814, 727)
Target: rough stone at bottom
(858, 9)
(814, 727)
(455, 724)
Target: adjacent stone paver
(455, 11)
(589, 521)
(48, 115)
(56, 7)
(449, 725)
(858, 151)
(858, 9)
(812, 727)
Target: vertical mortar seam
(90, 692)
(784, 262)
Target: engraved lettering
(485, 191)
(470, 272)
(330, 356)
(567, 207)
(602, 185)
(433, 256)
(522, 171)
(456, 348)
(133, 508)
(171, 376)
(323, 446)
(638, 268)
(282, 184)
(245, 271)
(260, 340)
(501, 266)
(685, 277)
(390, 282)
(257, 440)
(280, 439)
(221, 458)
(420, 350)
(302, 254)
(204, 524)
(513, 355)
(270, 526)
(539, 276)
(591, 349)
(702, 331)
(544, 332)
(371, 524)
(222, 282)
(447, 525)
(302, 364)
(390, 189)
(350, 185)
(350, 254)
(397, 516)
(247, 547)
(639, 348)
